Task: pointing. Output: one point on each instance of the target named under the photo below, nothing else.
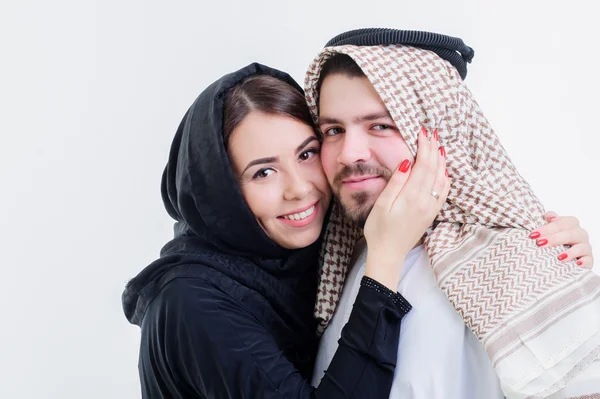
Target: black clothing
(227, 313)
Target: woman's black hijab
(215, 228)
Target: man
(438, 355)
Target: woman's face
(276, 162)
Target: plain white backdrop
(91, 93)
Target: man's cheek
(328, 163)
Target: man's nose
(355, 148)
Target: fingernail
(404, 166)
(534, 235)
(551, 219)
(435, 135)
(446, 172)
(579, 263)
(443, 151)
(541, 242)
(562, 256)
(424, 131)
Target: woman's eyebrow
(260, 161)
(305, 143)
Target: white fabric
(438, 356)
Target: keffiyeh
(537, 318)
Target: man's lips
(361, 183)
(358, 179)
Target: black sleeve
(198, 342)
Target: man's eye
(381, 127)
(333, 131)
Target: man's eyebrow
(372, 117)
(325, 120)
(305, 143)
(260, 161)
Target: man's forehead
(354, 100)
(340, 87)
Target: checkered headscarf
(537, 318)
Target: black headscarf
(215, 227)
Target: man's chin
(356, 212)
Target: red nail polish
(541, 242)
(579, 263)
(404, 166)
(424, 131)
(534, 235)
(435, 135)
(551, 219)
(562, 256)
(446, 172)
(443, 151)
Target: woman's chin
(298, 240)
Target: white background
(91, 94)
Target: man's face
(361, 144)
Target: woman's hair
(340, 64)
(263, 93)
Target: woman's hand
(405, 209)
(565, 230)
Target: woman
(227, 309)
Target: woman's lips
(303, 218)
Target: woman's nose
(297, 187)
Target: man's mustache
(361, 169)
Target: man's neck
(420, 242)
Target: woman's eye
(308, 154)
(333, 131)
(261, 174)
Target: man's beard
(358, 205)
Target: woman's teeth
(301, 215)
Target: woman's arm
(197, 342)
(566, 230)
(404, 210)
